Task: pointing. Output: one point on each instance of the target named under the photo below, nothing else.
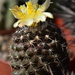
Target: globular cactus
(38, 47)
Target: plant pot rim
(5, 68)
(10, 31)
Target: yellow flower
(31, 14)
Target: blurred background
(64, 19)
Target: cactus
(38, 47)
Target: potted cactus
(38, 47)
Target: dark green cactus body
(39, 51)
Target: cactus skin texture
(39, 50)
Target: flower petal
(41, 18)
(23, 8)
(16, 24)
(48, 14)
(34, 1)
(45, 5)
(29, 22)
(15, 11)
(21, 24)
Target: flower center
(30, 9)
